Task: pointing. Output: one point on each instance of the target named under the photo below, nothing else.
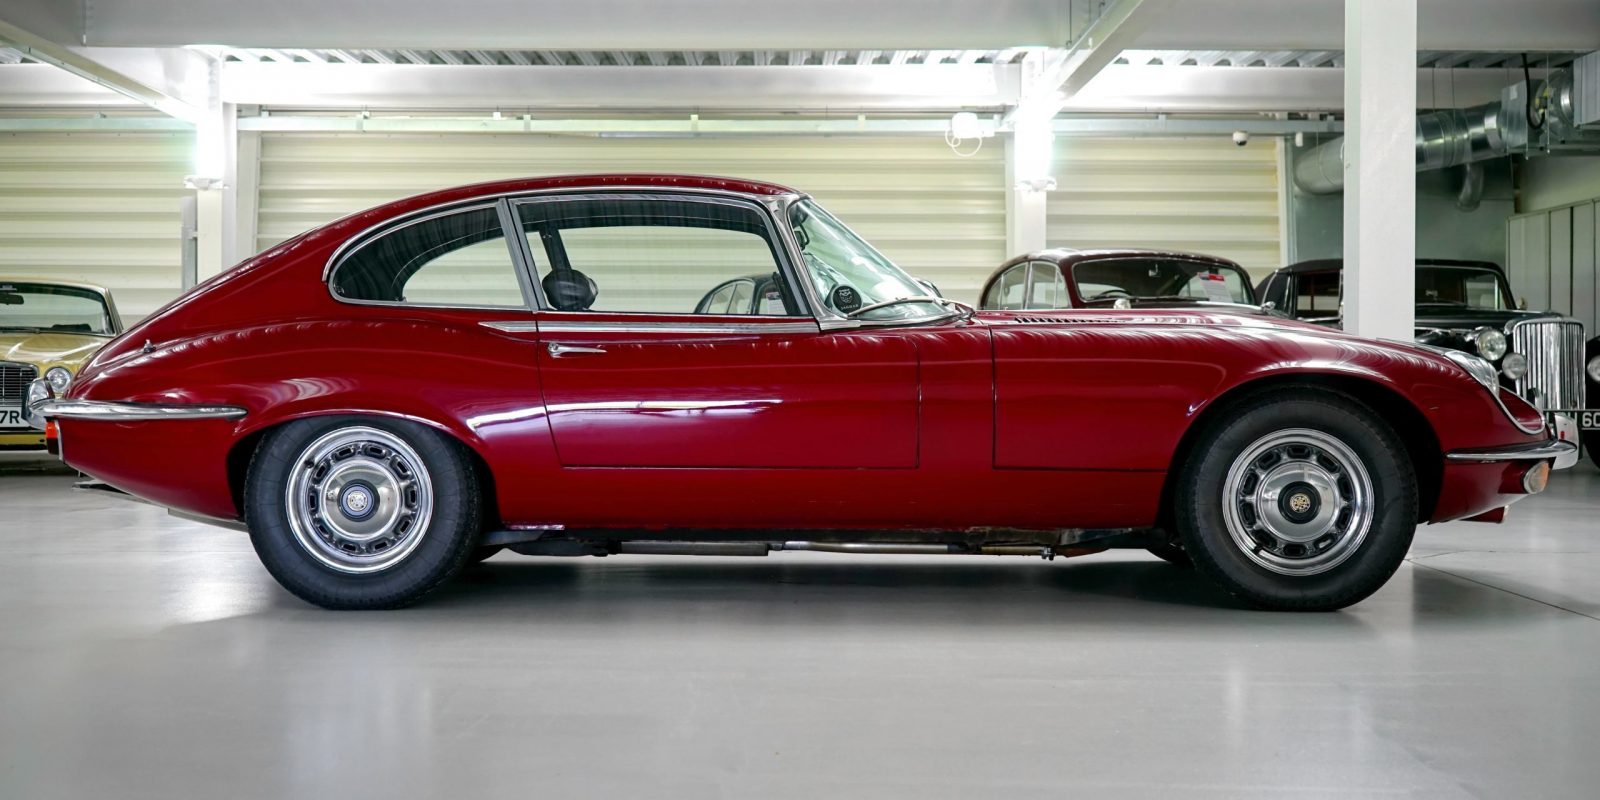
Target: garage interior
(147, 147)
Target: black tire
(1172, 554)
(1369, 558)
(442, 546)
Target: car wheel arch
(244, 449)
(1408, 421)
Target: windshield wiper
(921, 298)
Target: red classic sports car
(519, 364)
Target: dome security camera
(1241, 138)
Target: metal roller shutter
(939, 215)
(1202, 195)
(98, 207)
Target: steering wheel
(1111, 293)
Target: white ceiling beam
(1115, 30)
(913, 86)
(176, 81)
(702, 25)
(42, 85)
(816, 24)
(933, 87)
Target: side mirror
(927, 284)
(1522, 304)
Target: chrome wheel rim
(359, 499)
(1298, 502)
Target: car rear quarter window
(459, 258)
(1317, 294)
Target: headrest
(569, 290)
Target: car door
(632, 377)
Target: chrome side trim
(512, 326)
(131, 412)
(739, 328)
(1553, 448)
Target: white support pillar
(1380, 196)
(1025, 206)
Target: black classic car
(1468, 306)
(1120, 278)
(1589, 421)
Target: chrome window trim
(826, 317)
(490, 198)
(354, 244)
(713, 328)
(132, 412)
(784, 257)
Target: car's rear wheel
(361, 513)
(1298, 500)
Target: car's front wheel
(354, 513)
(1298, 500)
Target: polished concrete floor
(145, 657)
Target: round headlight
(60, 378)
(1491, 343)
(1594, 369)
(1515, 366)
(1481, 371)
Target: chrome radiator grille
(1554, 348)
(14, 380)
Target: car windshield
(849, 275)
(1466, 287)
(47, 307)
(1163, 278)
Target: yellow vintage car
(48, 329)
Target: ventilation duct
(1569, 102)
(1448, 138)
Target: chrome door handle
(558, 349)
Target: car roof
(608, 180)
(1326, 264)
(1067, 256)
(54, 282)
(393, 209)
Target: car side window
(1007, 292)
(1317, 294)
(1046, 288)
(730, 298)
(458, 258)
(653, 255)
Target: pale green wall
(1443, 231)
(1560, 180)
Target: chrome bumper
(43, 406)
(1538, 451)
